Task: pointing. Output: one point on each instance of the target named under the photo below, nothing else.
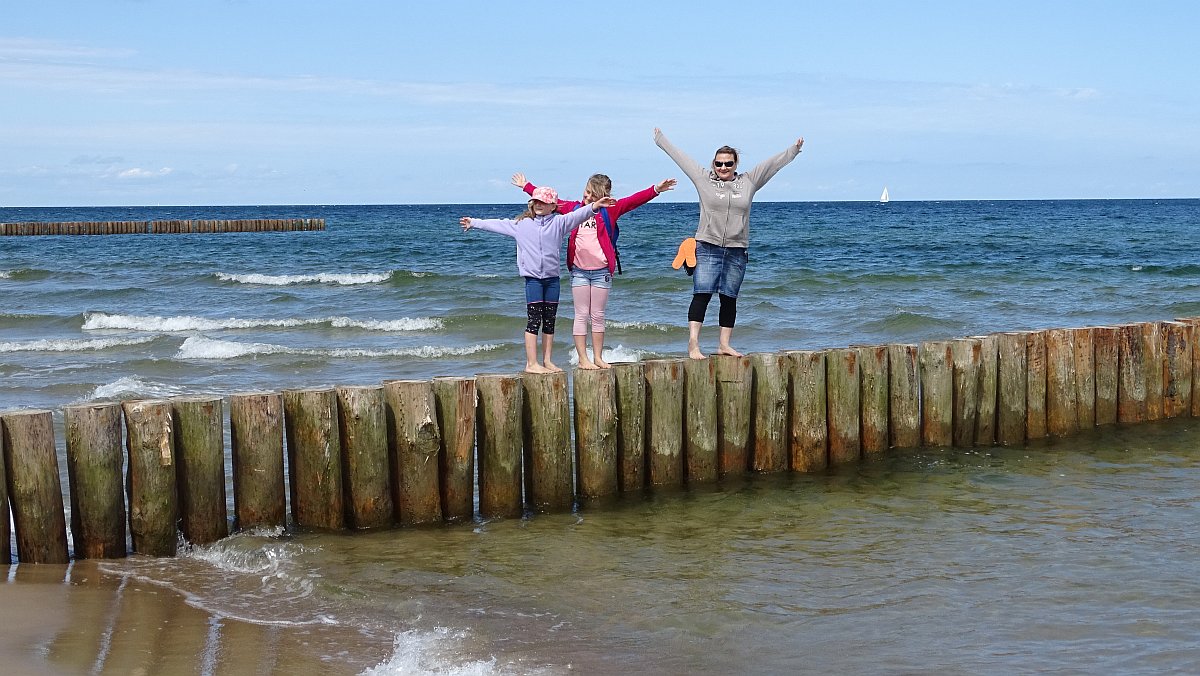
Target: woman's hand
(518, 179)
(665, 186)
(465, 222)
(799, 146)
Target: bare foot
(601, 364)
(536, 368)
(583, 364)
(551, 367)
(695, 353)
(725, 349)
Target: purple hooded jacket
(539, 239)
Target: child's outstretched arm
(500, 225)
(637, 199)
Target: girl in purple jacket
(539, 233)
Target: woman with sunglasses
(724, 232)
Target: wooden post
(1062, 400)
(256, 447)
(937, 393)
(966, 354)
(1085, 377)
(94, 463)
(547, 420)
(1177, 382)
(631, 424)
(664, 421)
(314, 450)
(873, 397)
(809, 441)
(904, 396)
(989, 389)
(498, 429)
(153, 502)
(699, 420)
(5, 515)
(31, 469)
(1036, 385)
(455, 400)
(1155, 351)
(416, 443)
(842, 380)
(362, 424)
(1105, 340)
(734, 390)
(770, 400)
(200, 453)
(1131, 367)
(595, 396)
(1194, 346)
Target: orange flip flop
(686, 255)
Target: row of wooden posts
(404, 453)
(161, 227)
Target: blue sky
(124, 102)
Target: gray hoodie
(725, 206)
(539, 239)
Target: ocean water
(1078, 555)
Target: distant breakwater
(403, 453)
(161, 227)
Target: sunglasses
(728, 164)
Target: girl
(592, 258)
(539, 232)
(724, 232)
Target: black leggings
(541, 314)
(700, 305)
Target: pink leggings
(589, 304)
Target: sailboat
(883, 199)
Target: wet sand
(78, 619)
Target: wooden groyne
(161, 227)
(407, 453)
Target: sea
(1076, 555)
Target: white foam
(420, 653)
(403, 324)
(615, 355)
(321, 278)
(134, 387)
(96, 321)
(5, 274)
(199, 347)
(639, 325)
(71, 345)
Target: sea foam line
(71, 345)
(95, 321)
(135, 386)
(199, 347)
(320, 278)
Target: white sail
(884, 197)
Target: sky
(232, 102)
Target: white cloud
(139, 173)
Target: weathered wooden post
(1062, 399)
(595, 394)
(769, 375)
(31, 469)
(416, 443)
(631, 424)
(153, 501)
(1176, 341)
(966, 354)
(363, 429)
(200, 454)
(5, 521)
(734, 390)
(1131, 367)
(699, 420)
(1155, 351)
(94, 463)
(843, 397)
(1035, 383)
(989, 389)
(1085, 377)
(873, 397)
(937, 393)
(547, 420)
(904, 396)
(1106, 341)
(256, 447)
(1194, 322)
(809, 441)
(455, 400)
(314, 450)
(664, 421)
(498, 429)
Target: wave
(616, 355)
(199, 347)
(639, 326)
(435, 652)
(71, 345)
(94, 321)
(25, 274)
(132, 387)
(340, 279)
(909, 322)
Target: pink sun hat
(545, 194)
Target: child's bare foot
(725, 349)
(536, 368)
(587, 364)
(694, 352)
(601, 364)
(551, 367)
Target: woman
(724, 232)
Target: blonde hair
(528, 213)
(600, 185)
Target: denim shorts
(541, 290)
(719, 269)
(601, 278)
